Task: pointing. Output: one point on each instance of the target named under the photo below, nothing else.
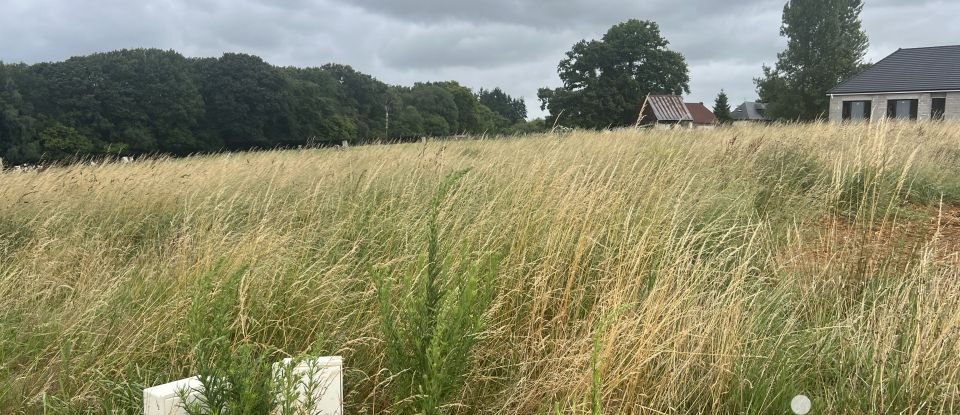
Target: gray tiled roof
(750, 111)
(919, 69)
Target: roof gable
(919, 69)
(752, 111)
(667, 108)
(701, 114)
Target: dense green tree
(489, 122)
(826, 44)
(721, 108)
(318, 110)
(73, 93)
(171, 100)
(512, 110)
(435, 103)
(408, 123)
(151, 99)
(17, 127)
(363, 97)
(60, 142)
(125, 101)
(468, 108)
(245, 101)
(7, 111)
(605, 81)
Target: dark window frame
(892, 108)
(867, 109)
(938, 112)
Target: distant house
(750, 112)
(910, 84)
(669, 111)
(702, 116)
(665, 111)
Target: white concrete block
(165, 399)
(319, 381)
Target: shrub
(431, 320)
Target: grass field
(719, 271)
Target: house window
(856, 110)
(902, 109)
(937, 108)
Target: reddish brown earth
(854, 249)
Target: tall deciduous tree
(826, 44)
(721, 108)
(605, 81)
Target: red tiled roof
(701, 115)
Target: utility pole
(386, 128)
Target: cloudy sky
(514, 44)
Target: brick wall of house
(836, 108)
(924, 107)
(879, 105)
(952, 111)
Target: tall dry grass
(718, 271)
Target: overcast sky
(513, 44)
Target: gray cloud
(587, 14)
(514, 44)
(468, 45)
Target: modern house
(914, 84)
(750, 112)
(669, 111)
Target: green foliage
(237, 376)
(535, 126)
(874, 190)
(605, 81)
(785, 172)
(432, 323)
(238, 383)
(468, 107)
(145, 101)
(245, 105)
(826, 44)
(721, 108)
(408, 123)
(18, 140)
(60, 142)
(513, 110)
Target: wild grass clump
(431, 320)
(782, 171)
(632, 271)
(236, 375)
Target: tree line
(149, 101)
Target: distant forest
(150, 101)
